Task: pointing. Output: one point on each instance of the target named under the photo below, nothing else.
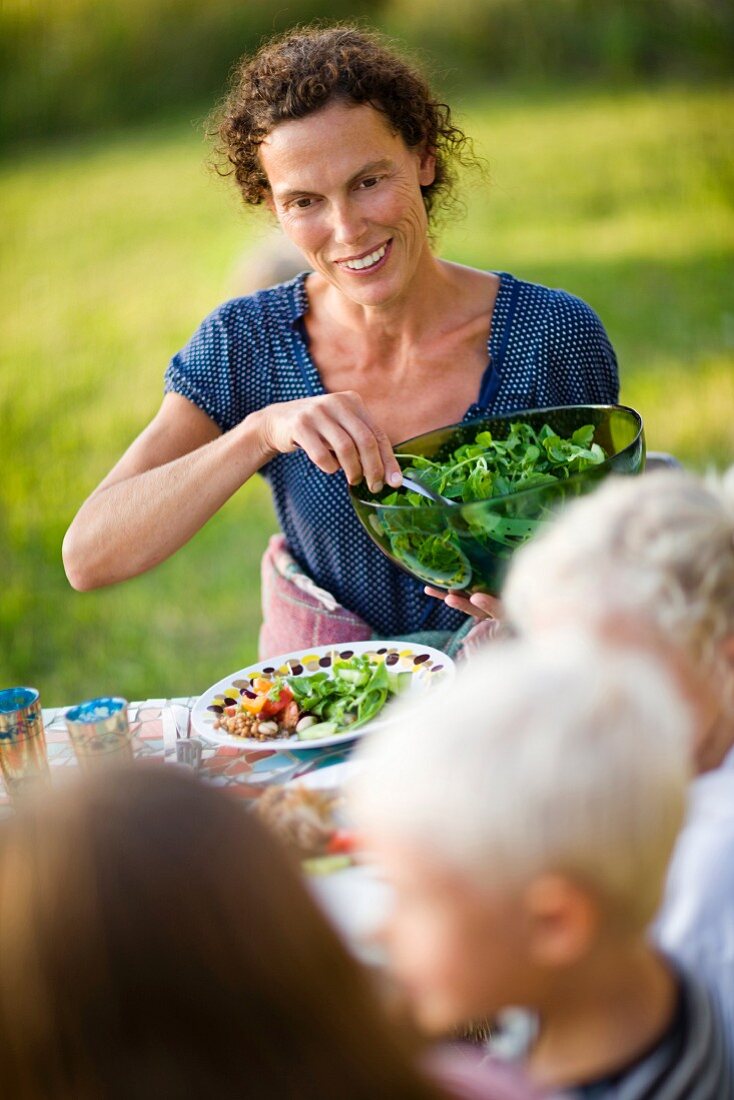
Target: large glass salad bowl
(467, 545)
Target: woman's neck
(603, 1016)
(442, 317)
(424, 304)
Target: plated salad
(351, 693)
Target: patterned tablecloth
(355, 899)
(224, 765)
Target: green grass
(115, 251)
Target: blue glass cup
(100, 733)
(23, 757)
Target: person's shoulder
(559, 311)
(700, 889)
(710, 820)
(227, 366)
(694, 1047)
(275, 305)
(706, 1050)
(709, 825)
(576, 361)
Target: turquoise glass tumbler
(100, 733)
(23, 756)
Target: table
(354, 900)
(224, 765)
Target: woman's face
(346, 190)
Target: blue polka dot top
(546, 348)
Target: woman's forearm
(134, 524)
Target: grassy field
(115, 251)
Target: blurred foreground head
(647, 560)
(525, 814)
(156, 942)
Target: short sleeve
(580, 360)
(205, 371)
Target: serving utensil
(424, 491)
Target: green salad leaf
(481, 469)
(491, 467)
(448, 563)
(352, 693)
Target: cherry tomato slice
(342, 842)
(275, 706)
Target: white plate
(328, 777)
(427, 665)
(357, 902)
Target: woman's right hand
(481, 605)
(337, 432)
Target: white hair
(660, 547)
(561, 756)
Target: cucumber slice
(398, 682)
(326, 865)
(353, 676)
(321, 729)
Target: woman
(156, 942)
(312, 382)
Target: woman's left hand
(480, 605)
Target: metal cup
(23, 759)
(100, 733)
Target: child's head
(525, 814)
(157, 942)
(658, 552)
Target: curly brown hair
(298, 72)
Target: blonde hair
(562, 757)
(660, 546)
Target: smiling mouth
(369, 261)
